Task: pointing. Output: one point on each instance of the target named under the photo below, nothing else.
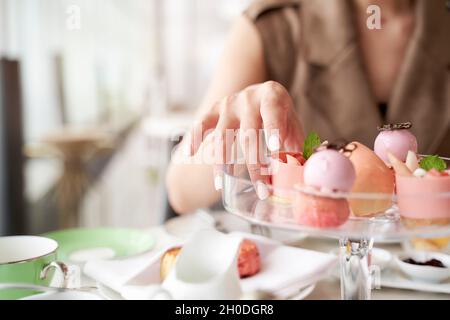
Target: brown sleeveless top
(311, 48)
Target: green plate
(123, 242)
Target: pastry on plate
(249, 262)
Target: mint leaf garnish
(433, 162)
(312, 141)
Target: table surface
(329, 288)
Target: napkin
(116, 273)
(284, 270)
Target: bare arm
(191, 186)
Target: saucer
(81, 245)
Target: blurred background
(93, 96)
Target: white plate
(392, 278)
(184, 226)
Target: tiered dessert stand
(356, 237)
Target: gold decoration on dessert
(396, 126)
(340, 145)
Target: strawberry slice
(436, 173)
(292, 160)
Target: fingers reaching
(275, 105)
(251, 146)
(200, 130)
(224, 136)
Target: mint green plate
(122, 242)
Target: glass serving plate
(356, 236)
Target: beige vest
(311, 48)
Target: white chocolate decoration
(420, 173)
(411, 161)
(400, 167)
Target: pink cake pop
(396, 139)
(329, 169)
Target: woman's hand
(265, 106)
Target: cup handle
(61, 267)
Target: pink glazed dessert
(327, 171)
(396, 139)
(422, 200)
(287, 171)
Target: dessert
(396, 139)
(372, 176)
(328, 171)
(168, 261)
(423, 195)
(249, 262)
(426, 244)
(321, 212)
(287, 171)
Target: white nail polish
(261, 190)
(274, 143)
(187, 152)
(218, 182)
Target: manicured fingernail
(187, 150)
(273, 143)
(218, 182)
(261, 190)
(187, 147)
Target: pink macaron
(320, 212)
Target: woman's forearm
(191, 186)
